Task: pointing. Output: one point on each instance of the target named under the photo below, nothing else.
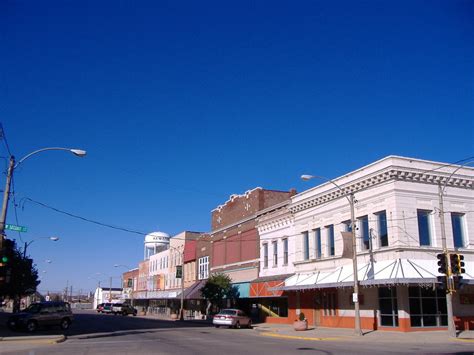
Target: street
(94, 333)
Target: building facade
(235, 239)
(398, 235)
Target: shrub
(301, 316)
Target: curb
(51, 339)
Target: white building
(107, 294)
(398, 237)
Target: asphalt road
(107, 334)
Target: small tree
(23, 279)
(217, 288)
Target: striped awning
(384, 272)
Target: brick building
(235, 240)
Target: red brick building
(235, 240)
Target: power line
(128, 230)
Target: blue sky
(181, 104)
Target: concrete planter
(174, 316)
(300, 325)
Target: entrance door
(317, 309)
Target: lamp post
(449, 295)
(96, 299)
(355, 295)
(11, 168)
(181, 310)
(27, 244)
(128, 268)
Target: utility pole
(449, 291)
(6, 197)
(355, 295)
(110, 290)
(181, 317)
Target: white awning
(385, 272)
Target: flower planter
(300, 325)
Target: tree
(22, 279)
(219, 287)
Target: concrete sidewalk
(340, 334)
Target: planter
(174, 316)
(300, 325)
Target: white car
(234, 318)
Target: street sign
(14, 228)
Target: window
(329, 303)
(364, 231)
(427, 307)
(457, 221)
(305, 246)
(203, 267)
(285, 251)
(382, 228)
(330, 236)
(424, 227)
(317, 243)
(275, 253)
(388, 307)
(265, 255)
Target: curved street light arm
(77, 152)
(308, 177)
(454, 172)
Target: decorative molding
(392, 173)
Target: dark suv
(42, 314)
(123, 309)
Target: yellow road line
(275, 335)
(464, 340)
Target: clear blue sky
(180, 104)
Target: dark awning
(193, 292)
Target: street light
(350, 198)
(11, 168)
(54, 239)
(181, 251)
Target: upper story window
(364, 231)
(265, 255)
(285, 251)
(457, 222)
(203, 267)
(317, 243)
(305, 246)
(275, 253)
(330, 236)
(424, 227)
(382, 230)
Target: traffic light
(457, 282)
(6, 259)
(457, 264)
(443, 281)
(442, 263)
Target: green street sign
(14, 228)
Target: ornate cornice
(392, 173)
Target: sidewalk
(341, 334)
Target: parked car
(107, 308)
(42, 314)
(123, 309)
(232, 318)
(100, 307)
